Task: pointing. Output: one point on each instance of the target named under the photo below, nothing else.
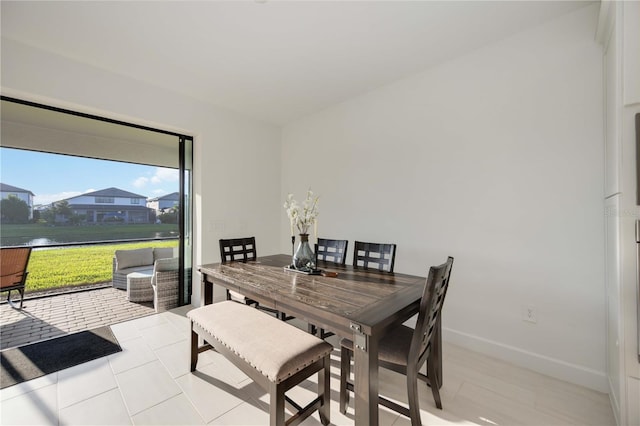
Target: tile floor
(149, 383)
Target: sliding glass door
(43, 129)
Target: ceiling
(275, 61)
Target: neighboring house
(23, 194)
(110, 205)
(164, 203)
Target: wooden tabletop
(370, 298)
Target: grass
(77, 266)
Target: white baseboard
(592, 379)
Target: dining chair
(243, 249)
(329, 252)
(13, 271)
(405, 350)
(374, 256)
(238, 249)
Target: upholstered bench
(274, 354)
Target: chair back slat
(374, 256)
(333, 251)
(234, 249)
(13, 265)
(431, 304)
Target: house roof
(174, 196)
(112, 192)
(9, 188)
(108, 208)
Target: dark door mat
(38, 359)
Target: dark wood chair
(329, 252)
(405, 350)
(374, 256)
(13, 271)
(244, 250)
(238, 249)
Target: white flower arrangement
(302, 217)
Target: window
(135, 201)
(105, 200)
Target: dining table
(355, 303)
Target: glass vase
(304, 259)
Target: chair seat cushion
(148, 270)
(394, 346)
(274, 348)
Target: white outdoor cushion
(133, 258)
(170, 264)
(163, 253)
(164, 265)
(274, 348)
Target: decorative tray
(312, 272)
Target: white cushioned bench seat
(274, 354)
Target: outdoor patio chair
(13, 271)
(165, 283)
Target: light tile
(84, 381)
(245, 414)
(177, 317)
(104, 409)
(589, 410)
(175, 411)
(503, 410)
(223, 369)
(177, 358)
(153, 386)
(145, 386)
(125, 331)
(202, 387)
(28, 386)
(135, 352)
(39, 407)
(161, 335)
(149, 321)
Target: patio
(47, 316)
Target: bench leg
(194, 349)
(276, 405)
(324, 391)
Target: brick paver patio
(56, 315)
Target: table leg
(365, 358)
(208, 290)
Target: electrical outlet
(529, 314)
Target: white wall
(495, 158)
(227, 203)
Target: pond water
(98, 237)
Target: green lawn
(68, 267)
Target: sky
(54, 177)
